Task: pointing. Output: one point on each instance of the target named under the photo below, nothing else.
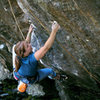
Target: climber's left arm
(28, 38)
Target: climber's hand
(55, 26)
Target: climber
(25, 62)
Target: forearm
(42, 51)
(50, 40)
(28, 38)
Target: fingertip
(55, 22)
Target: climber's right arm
(42, 51)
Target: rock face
(75, 52)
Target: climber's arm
(42, 51)
(28, 38)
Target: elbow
(46, 48)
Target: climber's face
(23, 49)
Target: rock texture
(75, 52)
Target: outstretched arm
(42, 51)
(28, 38)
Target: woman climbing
(25, 62)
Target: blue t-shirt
(28, 66)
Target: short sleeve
(32, 58)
